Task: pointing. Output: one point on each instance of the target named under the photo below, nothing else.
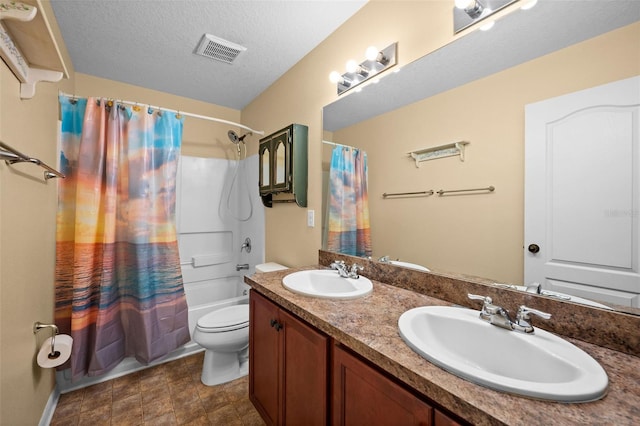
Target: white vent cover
(219, 49)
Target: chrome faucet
(341, 267)
(499, 316)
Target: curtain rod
(186, 114)
(338, 144)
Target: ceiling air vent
(219, 49)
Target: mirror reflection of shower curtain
(348, 229)
(119, 288)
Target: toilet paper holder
(37, 326)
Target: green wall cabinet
(283, 163)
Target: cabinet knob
(275, 324)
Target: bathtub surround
(211, 195)
(368, 327)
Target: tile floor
(167, 394)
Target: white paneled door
(582, 191)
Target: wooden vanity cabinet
(288, 362)
(362, 395)
(293, 381)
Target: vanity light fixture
(356, 73)
(341, 80)
(470, 12)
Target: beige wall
(27, 220)
(27, 242)
(490, 246)
(298, 97)
(474, 234)
(27, 247)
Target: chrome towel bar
(489, 188)
(405, 194)
(11, 156)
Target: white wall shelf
(28, 47)
(440, 151)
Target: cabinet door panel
(264, 172)
(305, 373)
(281, 161)
(263, 358)
(363, 396)
(441, 419)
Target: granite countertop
(368, 326)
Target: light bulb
(529, 5)
(352, 66)
(372, 53)
(335, 77)
(464, 4)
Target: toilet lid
(231, 316)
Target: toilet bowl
(225, 336)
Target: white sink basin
(327, 284)
(540, 365)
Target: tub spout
(242, 266)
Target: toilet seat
(226, 319)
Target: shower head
(233, 137)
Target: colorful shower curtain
(348, 229)
(119, 289)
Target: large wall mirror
(475, 90)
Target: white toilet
(225, 336)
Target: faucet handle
(337, 264)
(488, 308)
(524, 313)
(486, 299)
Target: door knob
(534, 248)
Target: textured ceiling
(151, 43)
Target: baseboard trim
(50, 408)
